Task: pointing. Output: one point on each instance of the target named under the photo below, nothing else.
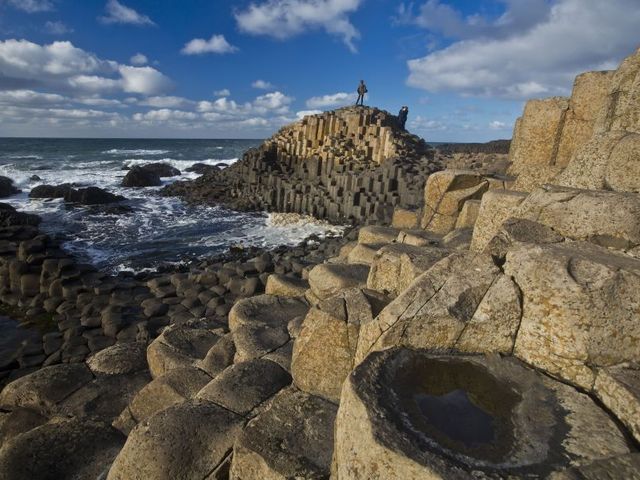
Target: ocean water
(158, 230)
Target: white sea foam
(25, 157)
(135, 152)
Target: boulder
(468, 215)
(496, 207)
(50, 191)
(161, 169)
(327, 280)
(444, 197)
(243, 386)
(377, 235)
(291, 438)
(78, 449)
(579, 308)
(179, 347)
(364, 253)
(408, 414)
(10, 217)
(219, 357)
(91, 196)
(266, 310)
(325, 349)
(139, 177)
(7, 188)
(404, 218)
(622, 467)
(396, 266)
(17, 421)
(185, 441)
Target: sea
(156, 231)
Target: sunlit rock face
(413, 414)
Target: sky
(243, 69)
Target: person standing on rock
(362, 90)
(402, 116)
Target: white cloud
(57, 28)
(216, 44)
(164, 115)
(335, 99)
(273, 101)
(283, 19)
(542, 60)
(139, 59)
(29, 97)
(32, 6)
(166, 102)
(262, 85)
(61, 66)
(303, 113)
(497, 125)
(225, 92)
(121, 14)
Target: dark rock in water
(83, 196)
(7, 188)
(50, 191)
(161, 169)
(140, 177)
(10, 217)
(91, 196)
(35, 178)
(202, 168)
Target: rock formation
(353, 164)
(493, 333)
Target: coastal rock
(609, 219)
(284, 286)
(396, 266)
(139, 177)
(7, 188)
(178, 347)
(436, 308)
(245, 385)
(188, 440)
(78, 449)
(291, 438)
(445, 195)
(399, 410)
(10, 217)
(175, 386)
(618, 388)
(119, 359)
(579, 309)
(91, 196)
(327, 280)
(496, 207)
(43, 389)
(161, 169)
(325, 349)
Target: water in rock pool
(457, 417)
(158, 230)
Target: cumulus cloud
(283, 19)
(121, 14)
(61, 66)
(139, 59)
(333, 100)
(216, 44)
(166, 101)
(164, 115)
(262, 85)
(497, 125)
(225, 92)
(57, 28)
(32, 6)
(573, 36)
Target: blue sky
(242, 69)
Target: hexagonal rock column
(461, 302)
(445, 194)
(413, 415)
(619, 390)
(325, 349)
(291, 438)
(496, 207)
(327, 279)
(580, 308)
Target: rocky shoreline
(479, 323)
